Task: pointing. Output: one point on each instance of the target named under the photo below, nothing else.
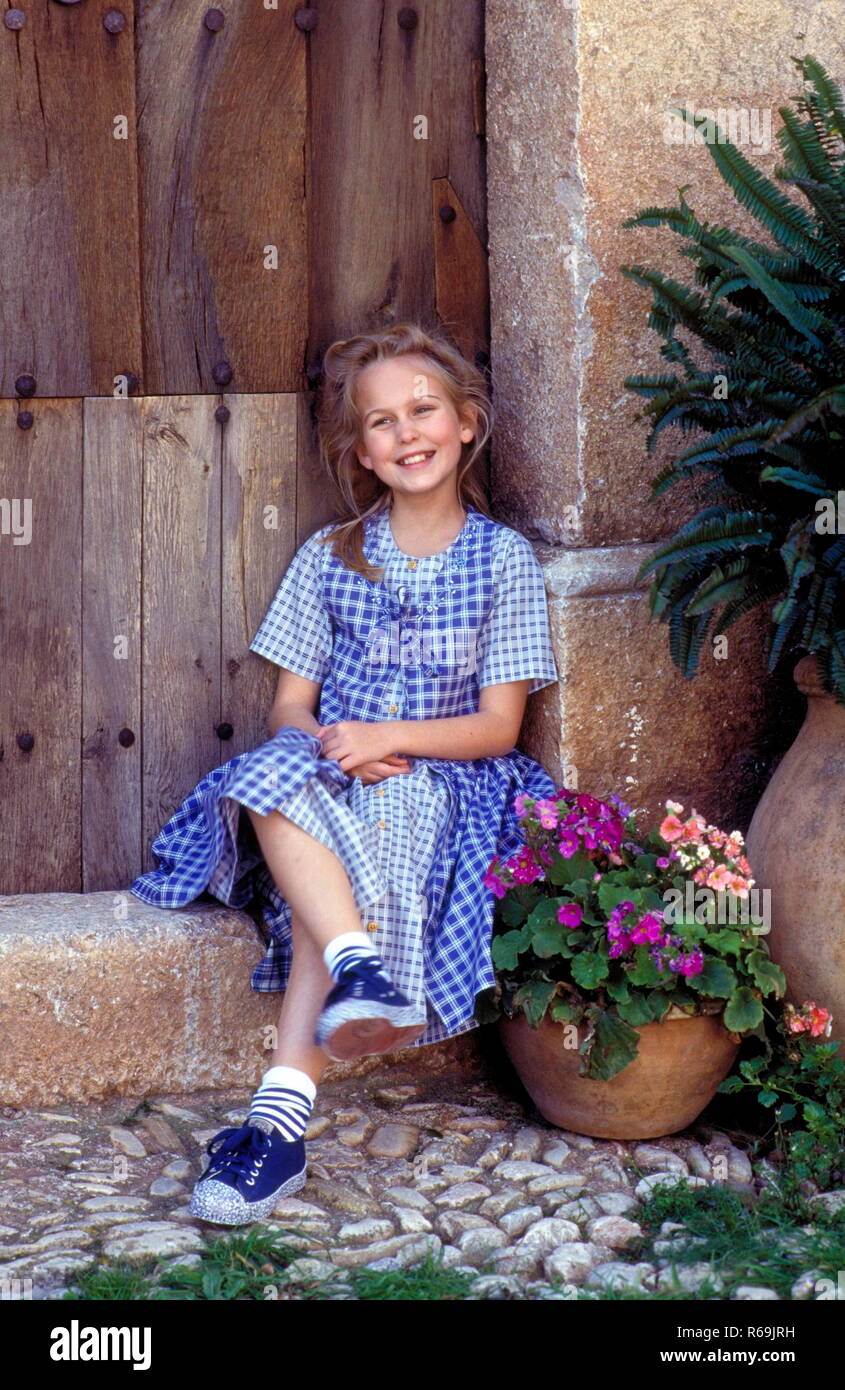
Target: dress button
(380, 791)
(372, 926)
(412, 564)
(382, 825)
(392, 709)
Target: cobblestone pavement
(428, 1162)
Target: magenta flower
(524, 866)
(570, 915)
(649, 928)
(690, 964)
(492, 881)
(568, 845)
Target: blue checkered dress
(418, 645)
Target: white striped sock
(284, 1099)
(344, 949)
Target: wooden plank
(222, 145)
(112, 849)
(317, 498)
(40, 648)
(460, 266)
(259, 511)
(181, 602)
(372, 255)
(69, 251)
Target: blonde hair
(339, 427)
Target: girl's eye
(416, 408)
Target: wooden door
(195, 204)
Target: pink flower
(548, 813)
(519, 804)
(720, 877)
(671, 829)
(663, 862)
(570, 915)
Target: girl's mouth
(417, 460)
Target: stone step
(103, 995)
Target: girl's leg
(307, 987)
(309, 875)
(316, 886)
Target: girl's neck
(425, 529)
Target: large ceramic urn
(796, 848)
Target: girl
(409, 635)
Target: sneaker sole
(364, 1037)
(223, 1206)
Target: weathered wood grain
(113, 482)
(40, 653)
(371, 256)
(222, 153)
(259, 539)
(69, 258)
(181, 559)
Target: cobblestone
(394, 1172)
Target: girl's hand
(355, 741)
(377, 771)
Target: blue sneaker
(250, 1170)
(365, 1013)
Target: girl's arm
(294, 703)
(491, 733)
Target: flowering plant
(799, 1081)
(597, 927)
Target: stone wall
(579, 139)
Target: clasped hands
(362, 749)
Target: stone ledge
(102, 994)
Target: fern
(770, 320)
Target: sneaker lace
(239, 1151)
(373, 968)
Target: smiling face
(411, 435)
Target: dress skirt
(415, 847)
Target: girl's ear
(469, 421)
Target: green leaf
(563, 1011)
(767, 1097)
(551, 941)
(768, 977)
(511, 910)
(505, 950)
(732, 1083)
(544, 914)
(614, 1045)
(644, 971)
(533, 998)
(725, 941)
(743, 1011)
(636, 1011)
(716, 979)
(589, 971)
(619, 990)
(787, 1112)
(569, 871)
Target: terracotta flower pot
(675, 1074)
(795, 845)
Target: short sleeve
(296, 631)
(514, 643)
